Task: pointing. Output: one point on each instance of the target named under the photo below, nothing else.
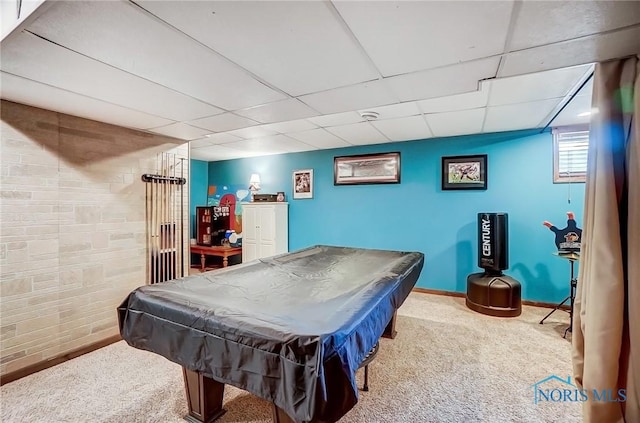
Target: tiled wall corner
(73, 228)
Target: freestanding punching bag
(492, 292)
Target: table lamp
(254, 184)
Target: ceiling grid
(240, 79)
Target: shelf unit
(211, 224)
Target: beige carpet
(447, 364)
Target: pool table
(292, 329)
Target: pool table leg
(279, 416)
(390, 330)
(203, 262)
(204, 397)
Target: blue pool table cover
(291, 329)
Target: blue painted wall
(418, 215)
(199, 184)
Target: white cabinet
(265, 230)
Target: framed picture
(464, 172)
(381, 168)
(303, 183)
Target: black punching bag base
(495, 295)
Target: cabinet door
(267, 250)
(267, 225)
(249, 225)
(249, 251)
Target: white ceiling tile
(222, 138)
(585, 50)
(220, 152)
(181, 130)
(337, 119)
(252, 132)
(358, 133)
(409, 36)
(354, 97)
(461, 122)
(222, 123)
(307, 49)
(404, 129)
(545, 22)
(278, 111)
(587, 89)
(10, 20)
(575, 112)
(319, 138)
(125, 36)
(200, 143)
(395, 110)
(34, 58)
(276, 144)
(291, 126)
(536, 86)
(32, 93)
(465, 101)
(445, 81)
(119, 63)
(519, 116)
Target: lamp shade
(255, 179)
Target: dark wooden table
(224, 252)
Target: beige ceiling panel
(450, 80)
(358, 133)
(585, 50)
(319, 138)
(354, 97)
(307, 49)
(462, 122)
(519, 116)
(124, 36)
(222, 123)
(409, 36)
(545, 22)
(278, 111)
(25, 91)
(404, 129)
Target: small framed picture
(280, 197)
(464, 172)
(303, 184)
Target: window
(570, 147)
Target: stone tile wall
(73, 228)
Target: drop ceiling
(241, 79)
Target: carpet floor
(447, 364)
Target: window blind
(571, 155)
